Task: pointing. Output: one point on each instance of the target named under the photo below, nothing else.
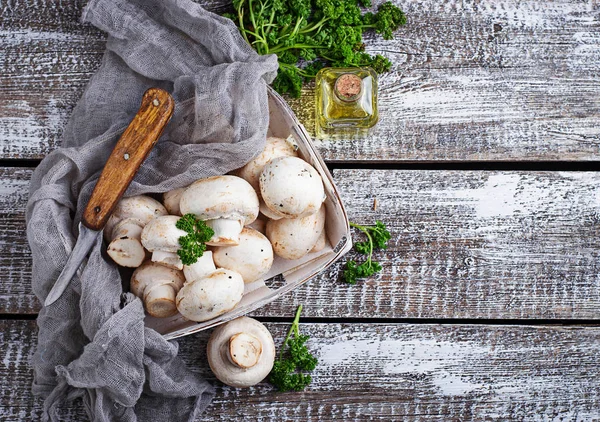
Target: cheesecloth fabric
(92, 342)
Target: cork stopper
(348, 87)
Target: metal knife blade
(130, 151)
(85, 241)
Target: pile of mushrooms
(271, 206)
(292, 196)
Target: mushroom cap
(252, 257)
(259, 224)
(241, 334)
(210, 296)
(141, 208)
(267, 213)
(321, 242)
(274, 147)
(171, 200)
(151, 278)
(291, 188)
(228, 197)
(160, 234)
(292, 238)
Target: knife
(131, 150)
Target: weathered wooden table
(485, 168)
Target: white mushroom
(291, 188)
(125, 248)
(259, 224)
(252, 257)
(321, 242)
(208, 292)
(161, 237)
(292, 238)
(274, 147)
(225, 203)
(210, 295)
(264, 210)
(157, 286)
(124, 228)
(171, 200)
(241, 353)
(201, 268)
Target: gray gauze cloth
(92, 342)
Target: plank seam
(416, 165)
(392, 321)
(532, 166)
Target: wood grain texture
(384, 372)
(470, 245)
(129, 153)
(465, 245)
(477, 80)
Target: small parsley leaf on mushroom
(193, 244)
(286, 374)
(377, 238)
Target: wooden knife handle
(127, 156)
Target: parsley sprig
(286, 374)
(193, 244)
(307, 35)
(377, 238)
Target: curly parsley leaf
(307, 35)
(192, 245)
(377, 238)
(294, 357)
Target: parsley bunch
(286, 374)
(317, 33)
(193, 244)
(377, 238)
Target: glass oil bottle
(346, 102)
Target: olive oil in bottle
(346, 102)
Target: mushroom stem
(168, 259)
(160, 299)
(241, 353)
(227, 231)
(244, 350)
(157, 286)
(200, 269)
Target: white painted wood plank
(488, 80)
(385, 372)
(466, 244)
(471, 244)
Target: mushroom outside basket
(294, 273)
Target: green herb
(377, 238)
(193, 244)
(286, 374)
(308, 35)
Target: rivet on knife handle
(127, 156)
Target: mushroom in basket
(157, 286)
(224, 203)
(124, 228)
(252, 258)
(208, 292)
